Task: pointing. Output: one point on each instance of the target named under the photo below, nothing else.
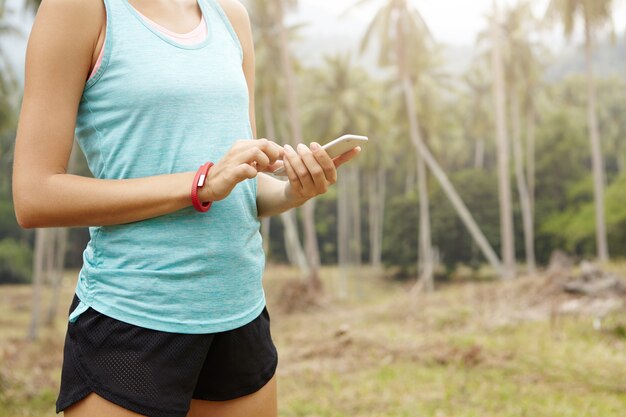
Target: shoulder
(238, 16)
(78, 19)
(234, 9)
(79, 11)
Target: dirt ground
(519, 348)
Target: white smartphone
(335, 148)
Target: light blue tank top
(158, 107)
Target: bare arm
(58, 58)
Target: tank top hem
(188, 327)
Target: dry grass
(472, 349)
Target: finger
(252, 155)
(322, 157)
(294, 180)
(298, 166)
(276, 165)
(244, 171)
(342, 159)
(271, 149)
(315, 169)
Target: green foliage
(576, 225)
(8, 224)
(16, 261)
(562, 169)
(401, 232)
(326, 226)
(479, 191)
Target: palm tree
(595, 14)
(308, 210)
(353, 110)
(522, 74)
(399, 24)
(478, 116)
(502, 141)
(263, 18)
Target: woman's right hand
(244, 160)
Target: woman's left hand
(311, 170)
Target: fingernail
(301, 147)
(288, 147)
(315, 146)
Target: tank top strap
(116, 17)
(117, 11)
(219, 16)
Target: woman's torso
(157, 107)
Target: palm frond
(356, 5)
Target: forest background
(487, 163)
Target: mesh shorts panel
(149, 366)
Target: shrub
(16, 260)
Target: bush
(8, 224)
(16, 260)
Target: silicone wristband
(198, 182)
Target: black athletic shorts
(157, 373)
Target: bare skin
(63, 47)
(259, 404)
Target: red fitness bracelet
(198, 182)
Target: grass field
(473, 349)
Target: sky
(452, 22)
(456, 22)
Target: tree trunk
(425, 241)
(372, 213)
(479, 154)
(60, 246)
(355, 217)
(376, 188)
(295, 253)
(454, 198)
(355, 214)
(527, 216)
(504, 182)
(596, 151)
(311, 246)
(308, 210)
(409, 181)
(530, 156)
(293, 248)
(41, 242)
(382, 190)
(343, 234)
(424, 258)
